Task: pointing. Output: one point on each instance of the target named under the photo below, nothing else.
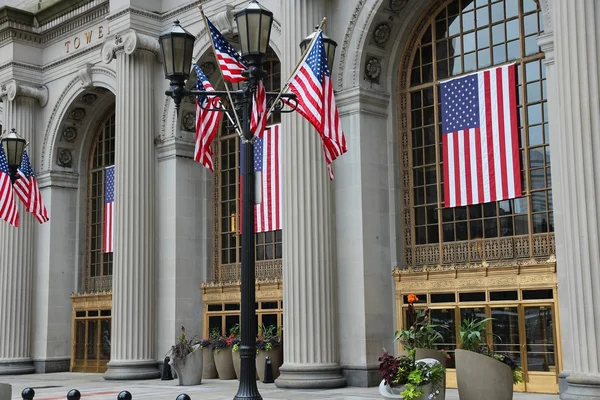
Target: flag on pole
(109, 210)
(28, 191)
(229, 59)
(480, 141)
(8, 205)
(207, 121)
(258, 118)
(316, 102)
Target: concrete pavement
(94, 387)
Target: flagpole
(238, 127)
(319, 29)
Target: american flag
(109, 210)
(27, 189)
(229, 59)
(267, 169)
(8, 205)
(258, 118)
(207, 122)
(314, 94)
(480, 137)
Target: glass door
(538, 348)
(507, 335)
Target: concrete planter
(276, 356)
(224, 363)
(441, 358)
(189, 370)
(237, 363)
(394, 392)
(482, 377)
(209, 370)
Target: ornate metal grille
(227, 243)
(455, 38)
(98, 272)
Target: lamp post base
(312, 376)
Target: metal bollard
(183, 396)
(268, 371)
(166, 372)
(124, 395)
(28, 394)
(73, 394)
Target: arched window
(98, 271)
(227, 243)
(461, 37)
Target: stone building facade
(82, 81)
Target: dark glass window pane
(537, 294)
(521, 227)
(491, 228)
(476, 229)
(215, 307)
(269, 305)
(432, 234)
(475, 296)
(448, 232)
(461, 231)
(502, 296)
(420, 235)
(442, 298)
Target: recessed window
(474, 296)
(443, 297)
(502, 296)
(537, 294)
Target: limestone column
(133, 311)
(309, 329)
(17, 244)
(576, 159)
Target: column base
(361, 376)
(131, 370)
(311, 376)
(582, 387)
(18, 366)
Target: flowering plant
(421, 334)
(232, 340)
(268, 338)
(403, 371)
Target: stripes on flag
(258, 118)
(480, 141)
(28, 191)
(207, 121)
(8, 205)
(109, 210)
(316, 101)
(228, 58)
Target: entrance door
(538, 348)
(507, 335)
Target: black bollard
(268, 371)
(73, 394)
(28, 393)
(183, 396)
(124, 395)
(166, 372)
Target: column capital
(12, 89)
(129, 41)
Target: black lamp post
(330, 46)
(14, 146)
(254, 28)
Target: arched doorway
(91, 327)
(487, 260)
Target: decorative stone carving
(85, 74)
(89, 98)
(129, 41)
(65, 158)
(77, 114)
(381, 34)
(208, 68)
(224, 22)
(397, 5)
(373, 69)
(12, 89)
(69, 134)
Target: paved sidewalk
(94, 387)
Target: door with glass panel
(506, 334)
(539, 349)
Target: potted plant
(480, 372)
(405, 378)
(268, 344)
(209, 369)
(186, 359)
(223, 358)
(420, 338)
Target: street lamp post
(14, 146)
(254, 28)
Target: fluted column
(133, 312)
(309, 329)
(576, 155)
(17, 244)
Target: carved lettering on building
(88, 37)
